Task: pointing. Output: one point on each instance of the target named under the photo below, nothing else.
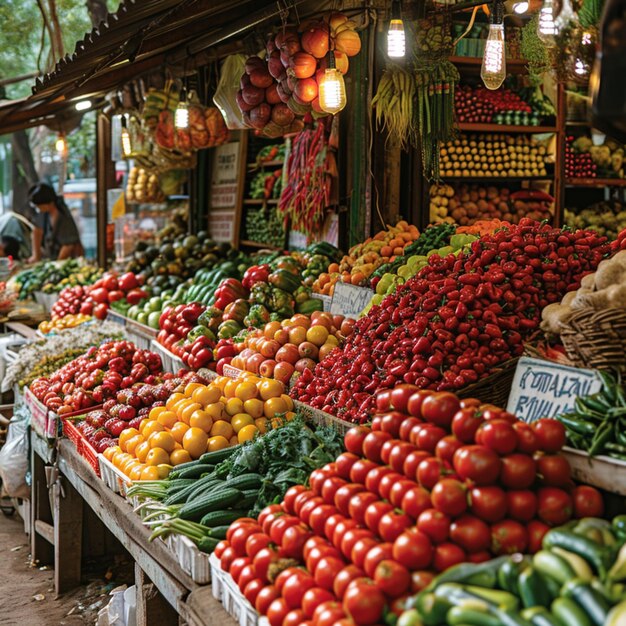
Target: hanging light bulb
(127, 147)
(61, 144)
(181, 115)
(493, 70)
(332, 89)
(546, 29)
(581, 61)
(396, 40)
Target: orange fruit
(271, 389)
(167, 418)
(119, 457)
(247, 433)
(297, 334)
(274, 406)
(253, 407)
(191, 387)
(230, 388)
(317, 335)
(180, 456)
(150, 473)
(223, 428)
(233, 441)
(207, 395)
(246, 390)
(241, 420)
(201, 419)
(178, 430)
(195, 442)
(234, 406)
(129, 465)
(162, 440)
(217, 443)
(155, 457)
(125, 435)
(152, 427)
(217, 410)
(141, 451)
(133, 442)
(111, 451)
(288, 401)
(135, 473)
(332, 340)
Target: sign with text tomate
(349, 300)
(545, 389)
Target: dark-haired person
(55, 235)
(16, 228)
(9, 246)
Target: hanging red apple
(284, 93)
(275, 66)
(315, 40)
(259, 116)
(306, 90)
(241, 103)
(253, 95)
(260, 77)
(254, 63)
(303, 65)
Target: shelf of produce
(599, 471)
(512, 65)
(476, 179)
(258, 244)
(504, 128)
(260, 201)
(258, 166)
(595, 182)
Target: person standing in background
(15, 236)
(55, 234)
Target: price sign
(224, 176)
(297, 240)
(325, 299)
(349, 300)
(222, 225)
(545, 389)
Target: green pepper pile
(266, 226)
(53, 276)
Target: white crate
(600, 471)
(192, 560)
(171, 363)
(113, 478)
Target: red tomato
(415, 501)
(587, 502)
(479, 557)
(550, 434)
(374, 513)
(488, 503)
(280, 525)
(392, 578)
(353, 439)
(471, 533)
(364, 602)
(392, 525)
(361, 549)
(374, 476)
(508, 537)
(555, 506)
(293, 541)
(358, 505)
(440, 408)
(526, 438)
(465, 423)
(518, 471)
(268, 510)
(228, 556)
(270, 518)
(255, 543)
(252, 589)
(399, 490)
(413, 549)
(328, 614)
(429, 436)
(399, 454)
(247, 575)
(362, 469)
(344, 494)
(420, 580)
(478, 464)
(400, 396)
(312, 598)
(220, 547)
(387, 482)
(264, 599)
(554, 470)
(309, 507)
(376, 422)
(344, 578)
(536, 531)
(317, 478)
(340, 530)
(414, 405)
(237, 566)
(282, 578)
(290, 496)
(521, 504)
(294, 618)
(383, 400)
(430, 471)
(277, 612)
(434, 524)
(317, 519)
(301, 499)
(330, 488)
(497, 435)
(314, 542)
(351, 537)
(373, 444)
(449, 496)
(262, 561)
(391, 422)
(326, 571)
(344, 464)
(385, 451)
(375, 555)
(446, 448)
(411, 463)
(294, 589)
(244, 522)
(407, 426)
(446, 555)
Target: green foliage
(534, 51)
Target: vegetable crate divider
(116, 318)
(46, 300)
(598, 471)
(83, 447)
(322, 418)
(112, 477)
(140, 334)
(41, 420)
(171, 363)
(226, 591)
(495, 388)
(192, 560)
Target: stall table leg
(152, 608)
(68, 535)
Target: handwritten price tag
(349, 300)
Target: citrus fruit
(207, 395)
(246, 390)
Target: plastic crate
(226, 591)
(39, 416)
(217, 577)
(171, 363)
(113, 478)
(116, 318)
(84, 448)
(140, 334)
(192, 560)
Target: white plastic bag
(14, 460)
(224, 98)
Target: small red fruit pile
(436, 481)
(96, 376)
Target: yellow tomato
(223, 428)
(332, 340)
(110, 451)
(217, 410)
(125, 435)
(253, 407)
(141, 451)
(274, 406)
(288, 401)
(167, 418)
(247, 433)
(173, 399)
(261, 424)
(119, 457)
(189, 410)
(180, 456)
(152, 427)
(150, 473)
(290, 415)
(277, 422)
(191, 387)
(234, 406)
(230, 388)
(157, 456)
(133, 442)
(246, 390)
(162, 440)
(178, 430)
(201, 419)
(195, 442)
(217, 443)
(135, 473)
(207, 395)
(220, 382)
(317, 335)
(164, 470)
(271, 389)
(240, 420)
(155, 411)
(233, 441)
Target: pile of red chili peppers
(457, 319)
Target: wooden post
(559, 160)
(104, 179)
(41, 548)
(68, 535)
(152, 608)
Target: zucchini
(532, 589)
(460, 616)
(481, 574)
(553, 566)
(197, 508)
(217, 456)
(219, 532)
(510, 570)
(196, 471)
(577, 563)
(219, 518)
(207, 544)
(598, 556)
(569, 613)
(249, 499)
(457, 594)
(508, 617)
(617, 615)
(181, 466)
(433, 609)
(540, 616)
(590, 600)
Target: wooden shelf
(503, 128)
(258, 166)
(258, 244)
(595, 182)
(477, 179)
(512, 65)
(577, 123)
(260, 201)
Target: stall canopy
(141, 36)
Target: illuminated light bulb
(396, 40)
(181, 115)
(332, 89)
(127, 146)
(60, 144)
(546, 29)
(493, 70)
(83, 105)
(521, 7)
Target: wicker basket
(596, 339)
(495, 388)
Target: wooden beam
(103, 158)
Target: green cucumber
(590, 600)
(598, 556)
(481, 574)
(432, 608)
(217, 456)
(219, 518)
(554, 566)
(196, 471)
(510, 570)
(569, 613)
(461, 616)
(540, 616)
(532, 589)
(208, 544)
(183, 495)
(197, 508)
(219, 532)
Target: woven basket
(596, 339)
(495, 388)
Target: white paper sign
(224, 176)
(326, 300)
(222, 225)
(545, 389)
(349, 300)
(297, 240)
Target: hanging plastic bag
(14, 460)
(224, 98)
